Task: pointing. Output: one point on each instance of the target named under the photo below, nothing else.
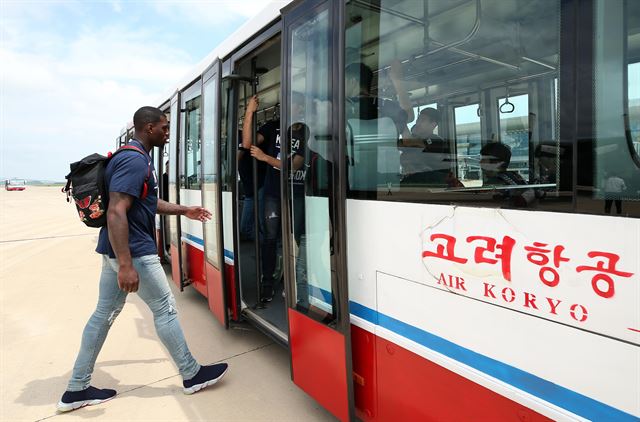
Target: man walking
(130, 264)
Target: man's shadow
(47, 391)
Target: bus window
(192, 147)
(469, 58)
(609, 164)
(468, 142)
(514, 131)
(633, 104)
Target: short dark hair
(146, 115)
(497, 150)
(362, 72)
(432, 114)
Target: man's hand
(253, 104)
(128, 279)
(258, 154)
(198, 213)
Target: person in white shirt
(613, 187)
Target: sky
(72, 73)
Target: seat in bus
(374, 159)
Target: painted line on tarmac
(46, 238)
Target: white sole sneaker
(68, 407)
(198, 387)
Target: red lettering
(460, 283)
(530, 298)
(488, 291)
(597, 287)
(446, 251)
(511, 292)
(441, 280)
(605, 267)
(504, 256)
(553, 306)
(583, 311)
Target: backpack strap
(145, 186)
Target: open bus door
(313, 207)
(212, 194)
(174, 193)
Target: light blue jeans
(155, 292)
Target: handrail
(466, 39)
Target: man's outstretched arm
(194, 213)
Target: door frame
(175, 245)
(228, 69)
(342, 407)
(193, 90)
(213, 73)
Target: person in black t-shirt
(267, 150)
(494, 161)
(427, 159)
(245, 171)
(362, 105)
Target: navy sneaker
(72, 400)
(206, 376)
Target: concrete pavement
(48, 289)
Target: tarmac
(48, 289)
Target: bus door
(173, 222)
(257, 71)
(163, 183)
(190, 157)
(211, 194)
(228, 137)
(247, 205)
(314, 207)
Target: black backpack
(86, 185)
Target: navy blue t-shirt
(271, 146)
(126, 173)
(297, 135)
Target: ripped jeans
(155, 292)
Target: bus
(488, 273)
(15, 184)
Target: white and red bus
(15, 184)
(419, 284)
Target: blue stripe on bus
(320, 294)
(555, 394)
(193, 238)
(536, 386)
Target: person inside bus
(361, 104)
(427, 159)
(130, 264)
(614, 187)
(267, 150)
(494, 163)
(245, 171)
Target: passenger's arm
(259, 155)
(118, 224)
(395, 73)
(194, 213)
(247, 124)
